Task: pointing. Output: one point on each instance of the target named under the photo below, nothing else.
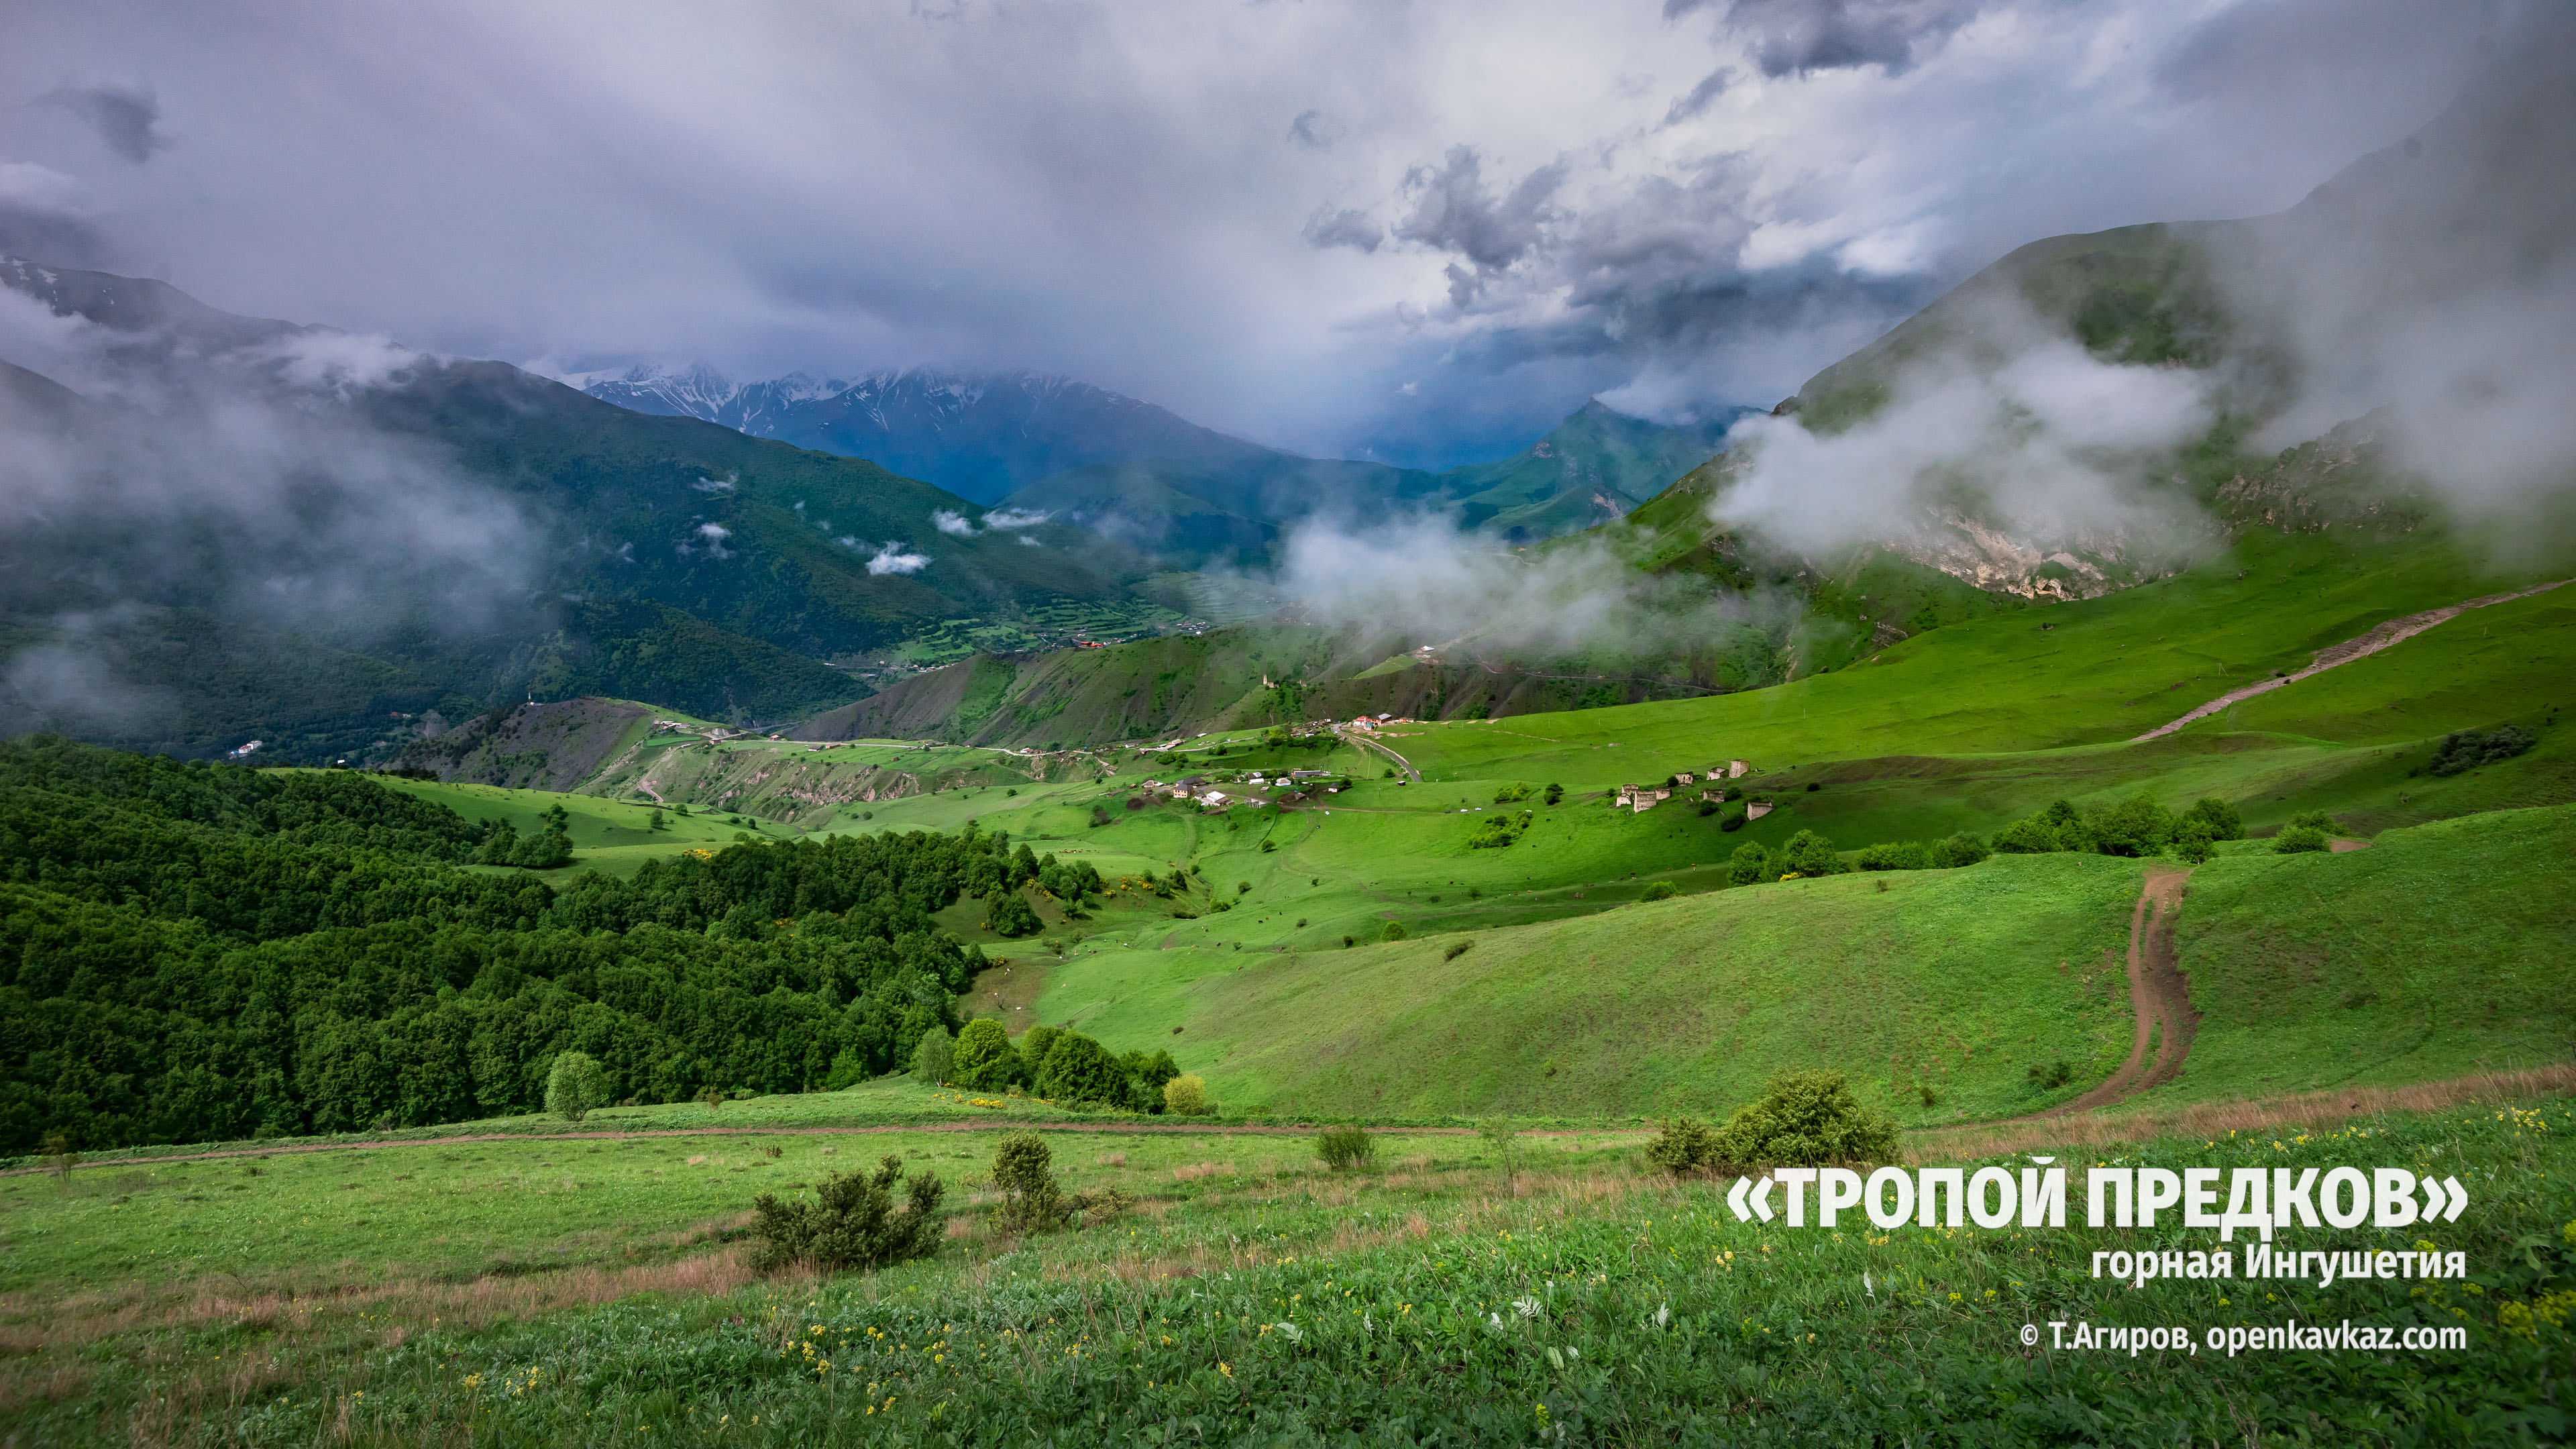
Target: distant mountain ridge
(1139, 473)
(406, 533)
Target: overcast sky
(1362, 227)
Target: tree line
(197, 951)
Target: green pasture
(1954, 981)
(2442, 950)
(613, 837)
(2090, 672)
(551, 1293)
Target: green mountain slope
(188, 594)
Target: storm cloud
(1418, 233)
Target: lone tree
(934, 1056)
(575, 1085)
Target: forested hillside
(201, 951)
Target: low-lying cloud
(896, 558)
(2054, 447)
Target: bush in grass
(934, 1057)
(2217, 818)
(984, 1057)
(1510, 793)
(847, 1070)
(1809, 853)
(2300, 838)
(1008, 915)
(2033, 836)
(1496, 832)
(1553, 795)
(851, 1224)
(1344, 1148)
(1456, 950)
(1751, 863)
(2469, 749)
(1806, 1119)
(2137, 826)
(1683, 1147)
(575, 1085)
(1079, 1069)
(2314, 820)
(1031, 1201)
(1394, 932)
(2192, 844)
(1895, 855)
(1958, 850)
(1662, 890)
(1185, 1095)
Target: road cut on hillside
(2394, 631)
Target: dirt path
(2157, 995)
(2392, 632)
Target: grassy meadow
(567, 1290)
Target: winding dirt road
(2158, 995)
(2392, 632)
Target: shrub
(852, 1223)
(1749, 864)
(2469, 749)
(1079, 1069)
(984, 1057)
(2033, 836)
(1456, 950)
(1895, 855)
(934, 1056)
(1031, 1201)
(1662, 890)
(1394, 932)
(2051, 1076)
(2191, 843)
(714, 1097)
(1344, 1148)
(1498, 831)
(2300, 838)
(2136, 826)
(2315, 820)
(1805, 1119)
(575, 1085)
(1185, 1095)
(1006, 914)
(1553, 795)
(1510, 793)
(1809, 853)
(2217, 818)
(1349, 941)
(1958, 850)
(1683, 1147)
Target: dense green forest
(196, 952)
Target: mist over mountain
(221, 527)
